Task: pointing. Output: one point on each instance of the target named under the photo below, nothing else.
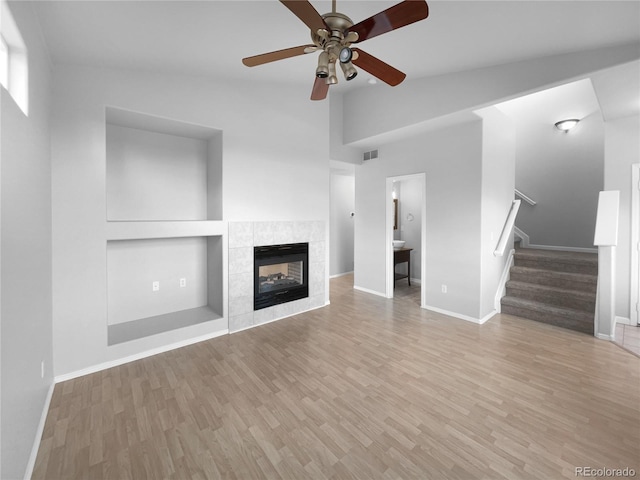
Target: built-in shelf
(164, 225)
(145, 327)
(140, 230)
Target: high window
(14, 66)
(4, 63)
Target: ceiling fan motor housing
(333, 41)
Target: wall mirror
(395, 213)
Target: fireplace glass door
(280, 274)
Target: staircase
(558, 288)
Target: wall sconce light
(566, 125)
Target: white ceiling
(211, 37)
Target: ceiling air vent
(370, 155)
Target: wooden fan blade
(320, 89)
(277, 55)
(378, 68)
(400, 15)
(305, 12)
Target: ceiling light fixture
(566, 125)
(323, 65)
(349, 71)
(333, 79)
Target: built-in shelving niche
(164, 224)
(161, 170)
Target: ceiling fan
(333, 33)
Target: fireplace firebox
(281, 274)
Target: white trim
(625, 321)
(388, 239)
(634, 280)
(502, 283)
(372, 292)
(340, 274)
(602, 336)
(417, 281)
(524, 197)
(563, 249)
(36, 441)
(460, 316)
(523, 237)
(525, 243)
(138, 356)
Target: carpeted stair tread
(560, 297)
(560, 316)
(574, 262)
(552, 278)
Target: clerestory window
(14, 65)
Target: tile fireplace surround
(243, 236)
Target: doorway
(406, 210)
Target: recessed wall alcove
(164, 225)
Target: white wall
(451, 159)
(342, 223)
(275, 167)
(133, 265)
(155, 176)
(380, 110)
(622, 149)
(498, 177)
(25, 228)
(563, 173)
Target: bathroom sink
(397, 244)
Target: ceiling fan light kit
(333, 33)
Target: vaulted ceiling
(211, 37)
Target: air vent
(370, 155)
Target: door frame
(422, 178)
(634, 280)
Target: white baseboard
(624, 321)
(525, 243)
(36, 441)
(524, 238)
(340, 274)
(138, 356)
(479, 321)
(366, 290)
(602, 336)
(563, 249)
(417, 281)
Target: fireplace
(281, 274)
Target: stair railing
(606, 239)
(524, 197)
(507, 229)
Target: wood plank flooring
(366, 388)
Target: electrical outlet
(183, 282)
(444, 288)
(155, 286)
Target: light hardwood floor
(365, 388)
